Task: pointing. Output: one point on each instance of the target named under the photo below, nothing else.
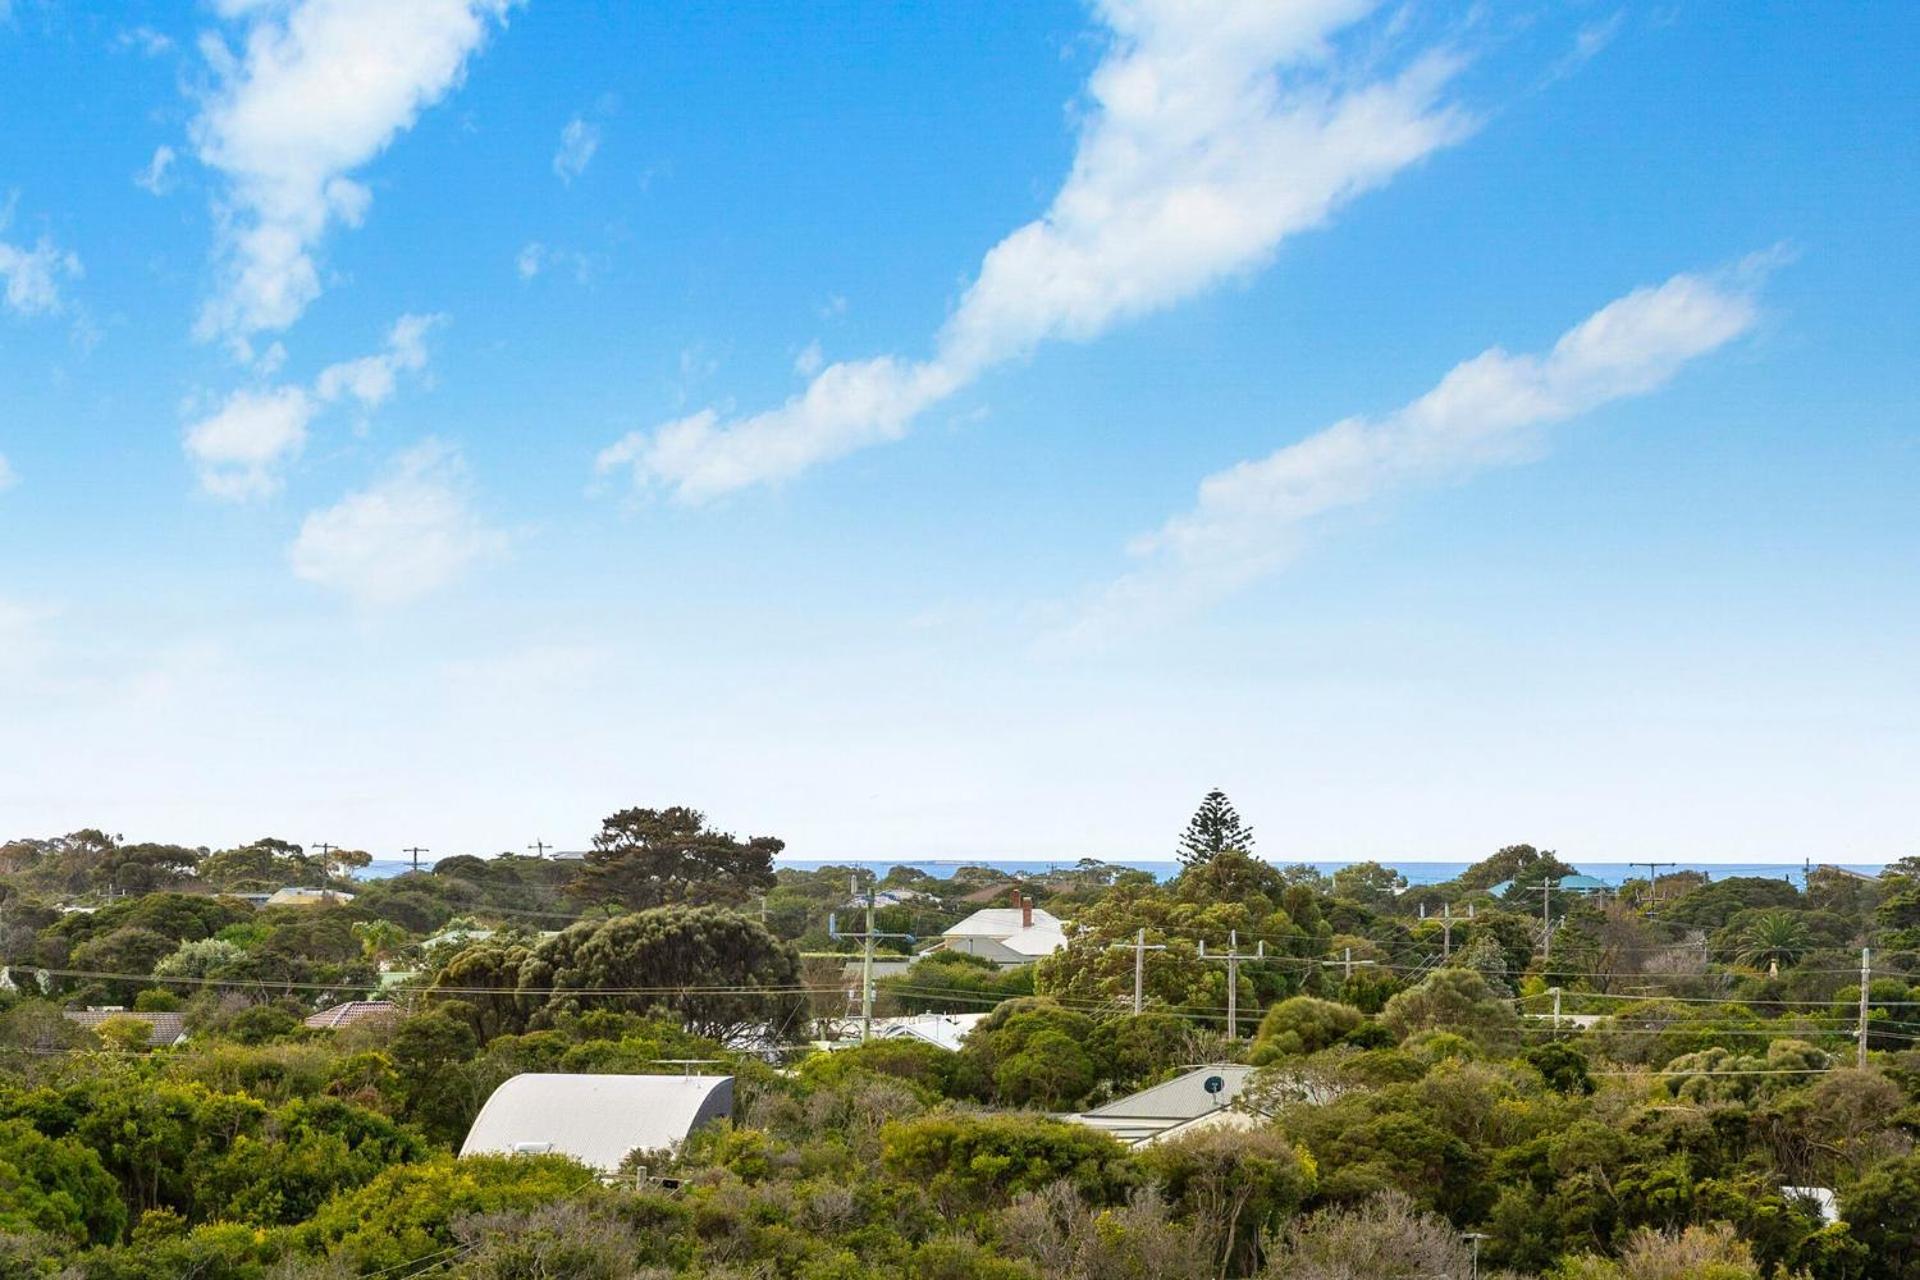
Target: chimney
(1026, 913)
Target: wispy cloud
(157, 177)
(1213, 131)
(317, 89)
(535, 259)
(8, 476)
(1487, 411)
(371, 379)
(240, 449)
(810, 360)
(31, 275)
(407, 535)
(146, 40)
(1595, 37)
(578, 142)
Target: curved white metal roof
(596, 1119)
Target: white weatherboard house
(596, 1119)
(1019, 934)
(1199, 1100)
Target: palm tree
(379, 938)
(1773, 939)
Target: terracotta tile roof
(168, 1028)
(352, 1011)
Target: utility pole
(1546, 921)
(1446, 926)
(1233, 959)
(1346, 963)
(866, 976)
(1653, 873)
(1139, 948)
(416, 851)
(866, 955)
(539, 848)
(326, 853)
(1866, 976)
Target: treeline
(1574, 1085)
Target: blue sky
(963, 430)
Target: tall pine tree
(1214, 827)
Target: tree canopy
(651, 857)
(1214, 829)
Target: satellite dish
(1215, 1084)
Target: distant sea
(1417, 873)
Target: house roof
(463, 936)
(945, 1030)
(350, 1012)
(1001, 922)
(887, 898)
(167, 1028)
(1039, 940)
(596, 1119)
(303, 895)
(1144, 1117)
(1570, 883)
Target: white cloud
(578, 141)
(1594, 38)
(319, 88)
(149, 42)
(8, 476)
(536, 258)
(1485, 412)
(1213, 131)
(157, 176)
(371, 379)
(239, 448)
(32, 276)
(407, 535)
(810, 360)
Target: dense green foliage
(1411, 1081)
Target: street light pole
(1474, 1238)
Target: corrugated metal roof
(1040, 940)
(945, 1030)
(1181, 1098)
(1001, 922)
(596, 1119)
